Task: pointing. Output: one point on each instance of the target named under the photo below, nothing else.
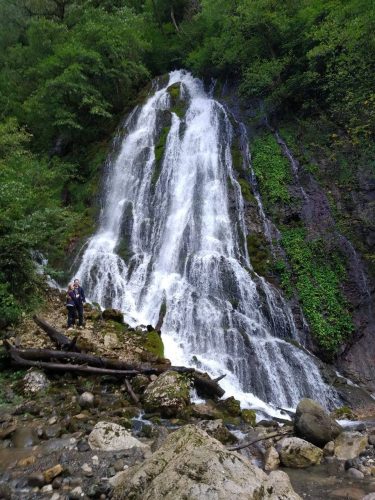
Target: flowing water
(182, 249)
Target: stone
(169, 394)
(350, 445)
(95, 460)
(52, 431)
(76, 493)
(140, 382)
(370, 496)
(355, 473)
(217, 430)
(119, 465)
(329, 449)
(36, 479)
(205, 411)
(371, 439)
(298, 453)
(108, 436)
(24, 437)
(52, 472)
(113, 315)
(193, 465)
(231, 405)
(52, 420)
(55, 496)
(86, 400)
(35, 381)
(24, 462)
(271, 459)
(87, 470)
(83, 446)
(110, 340)
(314, 424)
(47, 488)
(249, 417)
(57, 483)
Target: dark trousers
(71, 315)
(79, 309)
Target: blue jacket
(79, 296)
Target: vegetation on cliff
(70, 68)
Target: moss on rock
(154, 344)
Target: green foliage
(10, 310)
(317, 275)
(154, 344)
(272, 170)
(259, 253)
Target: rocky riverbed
(64, 436)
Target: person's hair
(76, 281)
(70, 287)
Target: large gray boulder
(169, 394)
(314, 424)
(350, 445)
(108, 436)
(35, 381)
(193, 465)
(298, 453)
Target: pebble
(76, 493)
(75, 481)
(83, 446)
(95, 460)
(86, 400)
(36, 479)
(119, 465)
(357, 474)
(57, 483)
(55, 496)
(52, 420)
(47, 488)
(52, 472)
(87, 470)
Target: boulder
(271, 459)
(169, 394)
(191, 464)
(298, 453)
(206, 410)
(314, 424)
(230, 405)
(350, 445)
(108, 436)
(113, 315)
(249, 417)
(35, 381)
(217, 430)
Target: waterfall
(167, 238)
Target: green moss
(317, 275)
(159, 154)
(179, 106)
(246, 191)
(154, 344)
(272, 170)
(237, 159)
(259, 253)
(343, 412)
(249, 416)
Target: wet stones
(217, 430)
(298, 453)
(24, 437)
(314, 424)
(271, 459)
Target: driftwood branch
(58, 337)
(132, 394)
(269, 436)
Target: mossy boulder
(154, 344)
(113, 315)
(168, 395)
(249, 417)
(231, 406)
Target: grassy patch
(272, 170)
(317, 276)
(154, 344)
(259, 253)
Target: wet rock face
(35, 381)
(193, 465)
(298, 453)
(314, 424)
(169, 394)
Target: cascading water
(168, 215)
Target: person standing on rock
(80, 300)
(71, 306)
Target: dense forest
(71, 69)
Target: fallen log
(206, 386)
(66, 367)
(132, 394)
(58, 337)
